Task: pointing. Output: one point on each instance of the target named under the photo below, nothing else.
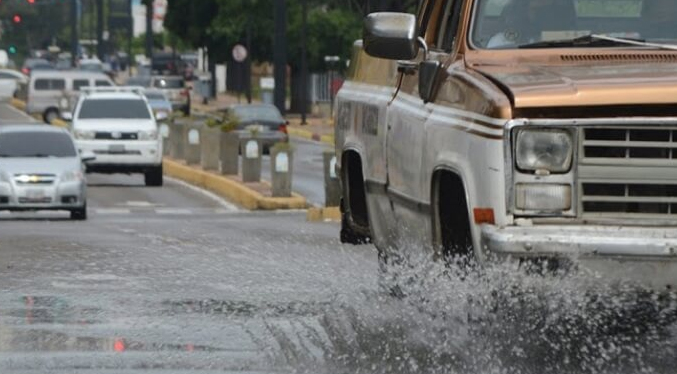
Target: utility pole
(74, 32)
(304, 61)
(130, 36)
(149, 30)
(280, 55)
(99, 30)
(248, 62)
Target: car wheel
(50, 115)
(153, 177)
(79, 214)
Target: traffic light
(12, 49)
(16, 19)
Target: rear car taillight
(282, 128)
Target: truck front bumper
(643, 255)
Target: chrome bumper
(644, 255)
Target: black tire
(50, 115)
(349, 235)
(79, 214)
(153, 177)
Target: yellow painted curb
(300, 133)
(60, 123)
(332, 213)
(230, 189)
(329, 139)
(19, 104)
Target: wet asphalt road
(173, 280)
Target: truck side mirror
(390, 35)
(427, 79)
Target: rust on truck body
(568, 137)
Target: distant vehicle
(35, 64)
(40, 169)
(144, 69)
(139, 80)
(263, 118)
(49, 91)
(177, 92)
(11, 82)
(93, 65)
(63, 64)
(158, 101)
(108, 70)
(118, 126)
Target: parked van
(49, 91)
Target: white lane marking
(174, 211)
(20, 113)
(224, 203)
(139, 204)
(112, 211)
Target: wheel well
(354, 194)
(451, 216)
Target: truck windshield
(508, 24)
(114, 109)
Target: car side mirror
(427, 79)
(67, 116)
(160, 116)
(88, 157)
(389, 35)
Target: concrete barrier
(230, 189)
(281, 169)
(191, 142)
(332, 187)
(210, 147)
(252, 151)
(176, 129)
(229, 153)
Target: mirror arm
(423, 45)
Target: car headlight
(148, 135)
(544, 149)
(72, 176)
(84, 134)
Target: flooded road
(232, 291)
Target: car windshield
(505, 24)
(258, 113)
(114, 109)
(169, 83)
(36, 144)
(92, 67)
(156, 96)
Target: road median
(231, 188)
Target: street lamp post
(332, 62)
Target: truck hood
(121, 125)
(583, 85)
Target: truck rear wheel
(153, 177)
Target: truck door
(408, 179)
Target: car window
(102, 83)
(114, 109)
(257, 113)
(36, 144)
(79, 83)
(155, 96)
(169, 83)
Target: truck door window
(449, 25)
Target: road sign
(239, 53)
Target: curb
(60, 123)
(328, 139)
(332, 214)
(230, 189)
(19, 104)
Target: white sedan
(10, 81)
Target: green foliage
(227, 122)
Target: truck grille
(627, 171)
(116, 135)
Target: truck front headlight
(543, 149)
(549, 198)
(84, 134)
(148, 135)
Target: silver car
(40, 169)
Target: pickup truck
(496, 130)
